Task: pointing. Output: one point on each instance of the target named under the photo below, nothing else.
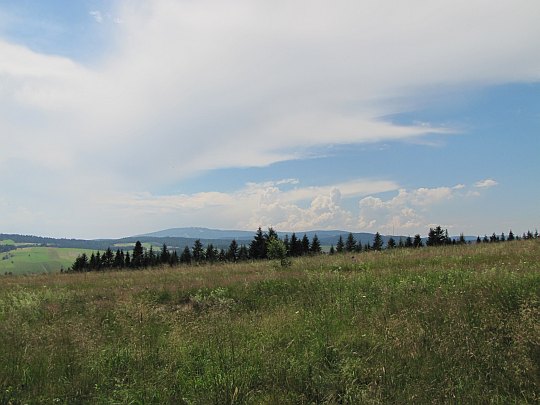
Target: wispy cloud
(198, 86)
(487, 183)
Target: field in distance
(37, 259)
(453, 324)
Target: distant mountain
(200, 233)
(326, 237)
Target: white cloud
(98, 17)
(487, 183)
(194, 86)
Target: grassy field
(38, 260)
(434, 325)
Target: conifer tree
(400, 243)
(315, 245)
(391, 244)
(119, 259)
(185, 257)
(243, 253)
(305, 245)
(417, 242)
(232, 252)
(138, 255)
(377, 242)
(128, 260)
(511, 235)
(350, 244)
(340, 247)
(165, 256)
(173, 260)
(197, 254)
(287, 244)
(409, 242)
(503, 237)
(332, 250)
(478, 240)
(257, 247)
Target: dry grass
(435, 325)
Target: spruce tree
(340, 245)
(128, 260)
(391, 244)
(350, 244)
(305, 245)
(232, 252)
(185, 257)
(332, 250)
(377, 242)
(138, 255)
(417, 242)
(165, 256)
(197, 254)
(315, 245)
(243, 253)
(511, 235)
(409, 242)
(257, 247)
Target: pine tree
(511, 235)
(119, 259)
(478, 240)
(437, 237)
(417, 242)
(138, 255)
(185, 257)
(391, 244)
(350, 244)
(409, 242)
(128, 260)
(197, 254)
(377, 242)
(287, 244)
(212, 254)
(232, 252)
(173, 260)
(486, 239)
(165, 256)
(257, 247)
(315, 245)
(340, 245)
(400, 243)
(295, 246)
(243, 253)
(332, 250)
(305, 245)
(503, 238)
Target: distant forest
(266, 245)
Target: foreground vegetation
(444, 324)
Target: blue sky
(124, 117)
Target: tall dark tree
(295, 246)
(243, 253)
(503, 237)
(173, 259)
(437, 237)
(417, 242)
(165, 255)
(409, 242)
(332, 250)
(138, 255)
(478, 239)
(400, 243)
(340, 246)
(119, 259)
(185, 257)
(511, 235)
(305, 245)
(350, 244)
(315, 245)
(197, 254)
(128, 260)
(232, 252)
(108, 258)
(257, 247)
(485, 239)
(212, 254)
(377, 242)
(462, 240)
(391, 244)
(287, 244)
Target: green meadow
(454, 324)
(38, 260)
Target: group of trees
(265, 245)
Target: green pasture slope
(38, 260)
(448, 325)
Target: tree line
(266, 245)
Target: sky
(122, 117)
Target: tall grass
(435, 325)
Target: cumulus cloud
(487, 183)
(96, 14)
(409, 211)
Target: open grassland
(433, 325)
(38, 260)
